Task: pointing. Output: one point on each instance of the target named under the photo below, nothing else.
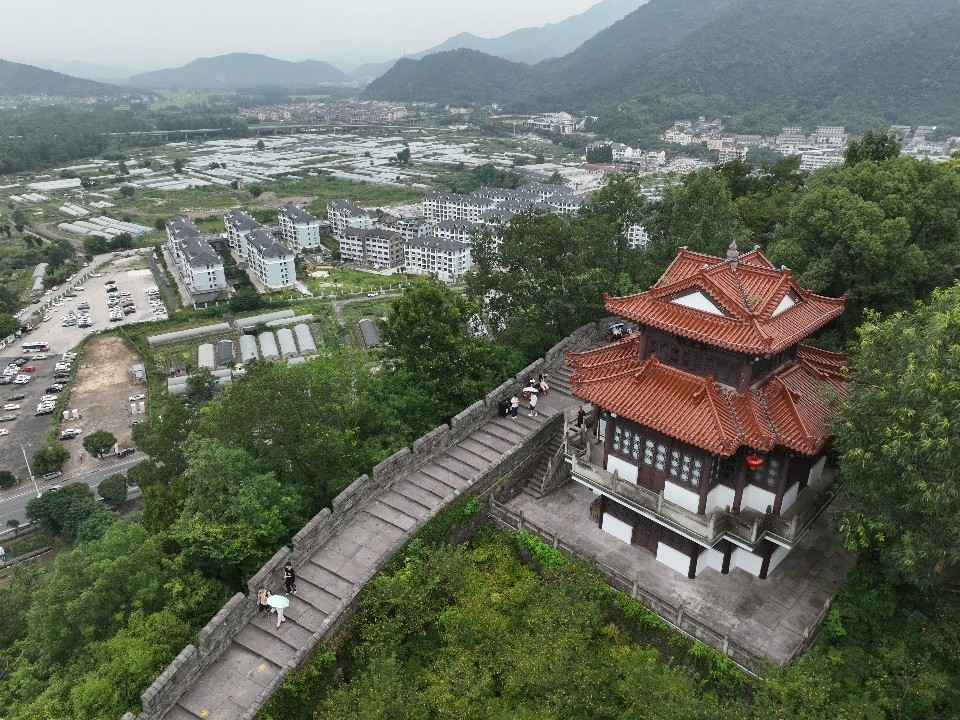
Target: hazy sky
(151, 34)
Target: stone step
(352, 572)
(256, 640)
(230, 685)
(467, 457)
(179, 713)
(405, 504)
(509, 435)
(389, 514)
(465, 468)
(418, 492)
(325, 579)
(312, 602)
(430, 484)
(485, 442)
(452, 478)
(486, 452)
(251, 635)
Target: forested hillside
(20, 79)
(861, 63)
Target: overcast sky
(167, 33)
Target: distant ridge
(20, 79)
(860, 62)
(526, 45)
(237, 70)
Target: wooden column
(705, 483)
(766, 553)
(694, 555)
(603, 509)
(727, 554)
(739, 485)
(607, 438)
(782, 483)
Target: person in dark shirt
(290, 578)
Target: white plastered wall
(719, 497)
(618, 528)
(673, 558)
(625, 470)
(789, 497)
(757, 498)
(680, 496)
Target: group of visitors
(530, 393)
(266, 606)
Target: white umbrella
(278, 601)
(530, 389)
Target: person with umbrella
(278, 603)
(531, 392)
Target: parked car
(30, 368)
(4, 431)
(135, 398)
(20, 396)
(11, 406)
(70, 433)
(7, 418)
(125, 452)
(22, 380)
(6, 380)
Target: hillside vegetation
(20, 79)
(861, 62)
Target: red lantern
(754, 462)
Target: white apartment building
(445, 259)
(459, 230)
(197, 263)
(408, 227)
(637, 237)
(270, 260)
(731, 154)
(343, 214)
(239, 225)
(831, 135)
(300, 229)
(377, 247)
(816, 159)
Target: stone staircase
(252, 661)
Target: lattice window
(675, 463)
(618, 439)
(661, 460)
(771, 472)
(637, 441)
(648, 452)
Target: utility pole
(32, 478)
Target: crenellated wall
(218, 633)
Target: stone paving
(767, 617)
(231, 686)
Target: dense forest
(874, 63)
(20, 79)
(232, 478)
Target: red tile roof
(747, 295)
(786, 410)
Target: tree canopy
(900, 461)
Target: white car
(11, 406)
(47, 318)
(40, 357)
(22, 380)
(48, 398)
(3, 432)
(135, 398)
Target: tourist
(289, 579)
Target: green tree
(233, 514)
(874, 146)
(96, 245)
(900, 462)
(255, 190)
(245, 300)
(260, 145)
(440, 362)
(403, 157)
(99, 442)
(601, 154)
(178, 165)
(8, 325)
(49, 458)
(127, 191)
(65, 511)
(885, 234)
(113, 489)
(201, 386)
(7, 479)
(160, 224)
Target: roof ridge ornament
(733, 255)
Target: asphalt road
(13, 502)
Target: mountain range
(875, 59)
(526, 45)
(238, 70)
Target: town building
(408, 227)
(460, 230)
(709, 446)
(375, 247)
(271, 261)
(197, 263)
(239, 225)
(343, 214)
(444, 259)
(637, 237)
(300, 229)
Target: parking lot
(131, 274)
(103, 384)
(27, 429)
